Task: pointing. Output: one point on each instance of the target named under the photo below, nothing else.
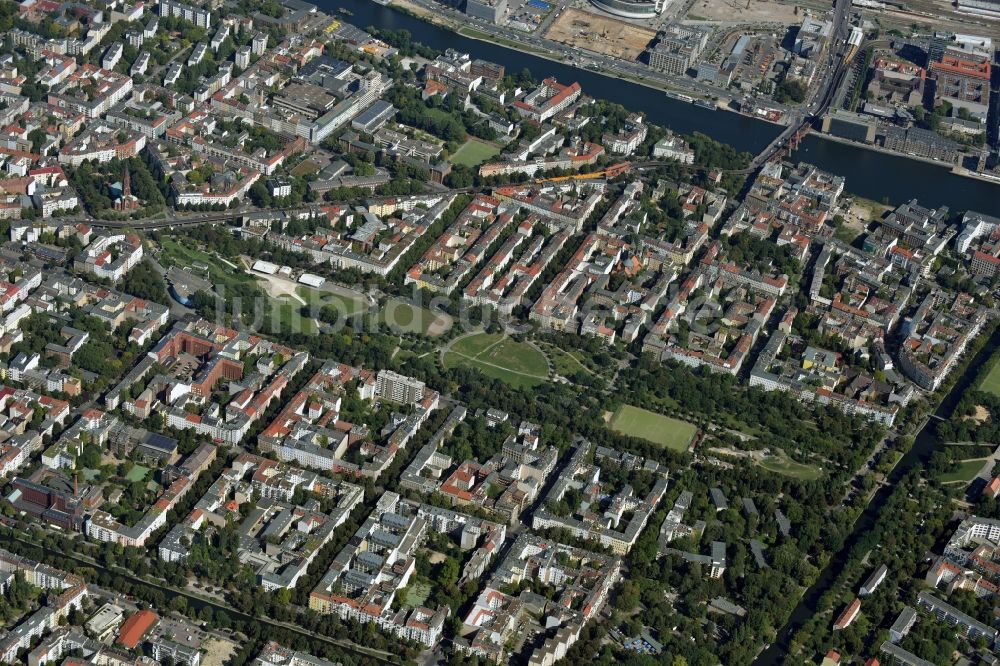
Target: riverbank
(924, 445)
(444, 22)
(962, 171)
(874, 175)
(422, 13)
(886, 151)
(441, 21)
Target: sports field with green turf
(474, 152)
(671, 433)
(137, 473)
(991, 382)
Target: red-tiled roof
(136, 627)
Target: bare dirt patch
(217, 651)
(763, 11)
(436, 557)
(600, 34)
(980, 416)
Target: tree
(179, 604)
(144, 281)
(628, 598)
(37, 137)
(790, 90)
(90, 457)
(329, 313)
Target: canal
(197, 601)
(923, 447)
(869, 174)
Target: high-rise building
(395, 387)
(677, 49)
(199, 16)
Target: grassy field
(289, 312)
(565, 363)
(782, 464)
(137, 473)
(846, 234)
(875, 208)
(500, 357)
(474, 345)
(219, 273)
(346, 305)
(668, 432)
(408, 318)
(964, 472)
(991, 382)
(474, 152)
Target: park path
(550, 368)
(476, 359)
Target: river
(869, 174)
(924, 445)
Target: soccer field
(991, 382)
(644, 424)
(474, 152)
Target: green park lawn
(347, 306)
(782, 464)
(474, 152)
(500, 357)
(991, 382)
(408, 318)
(289, 311)
(566, 363)
(474, 345)
(964, 472)
(668, 432)
(219, 273)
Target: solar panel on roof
(161, 442)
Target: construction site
(750, 11)
(600, 34)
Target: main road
(823, 95)
(179, 220)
